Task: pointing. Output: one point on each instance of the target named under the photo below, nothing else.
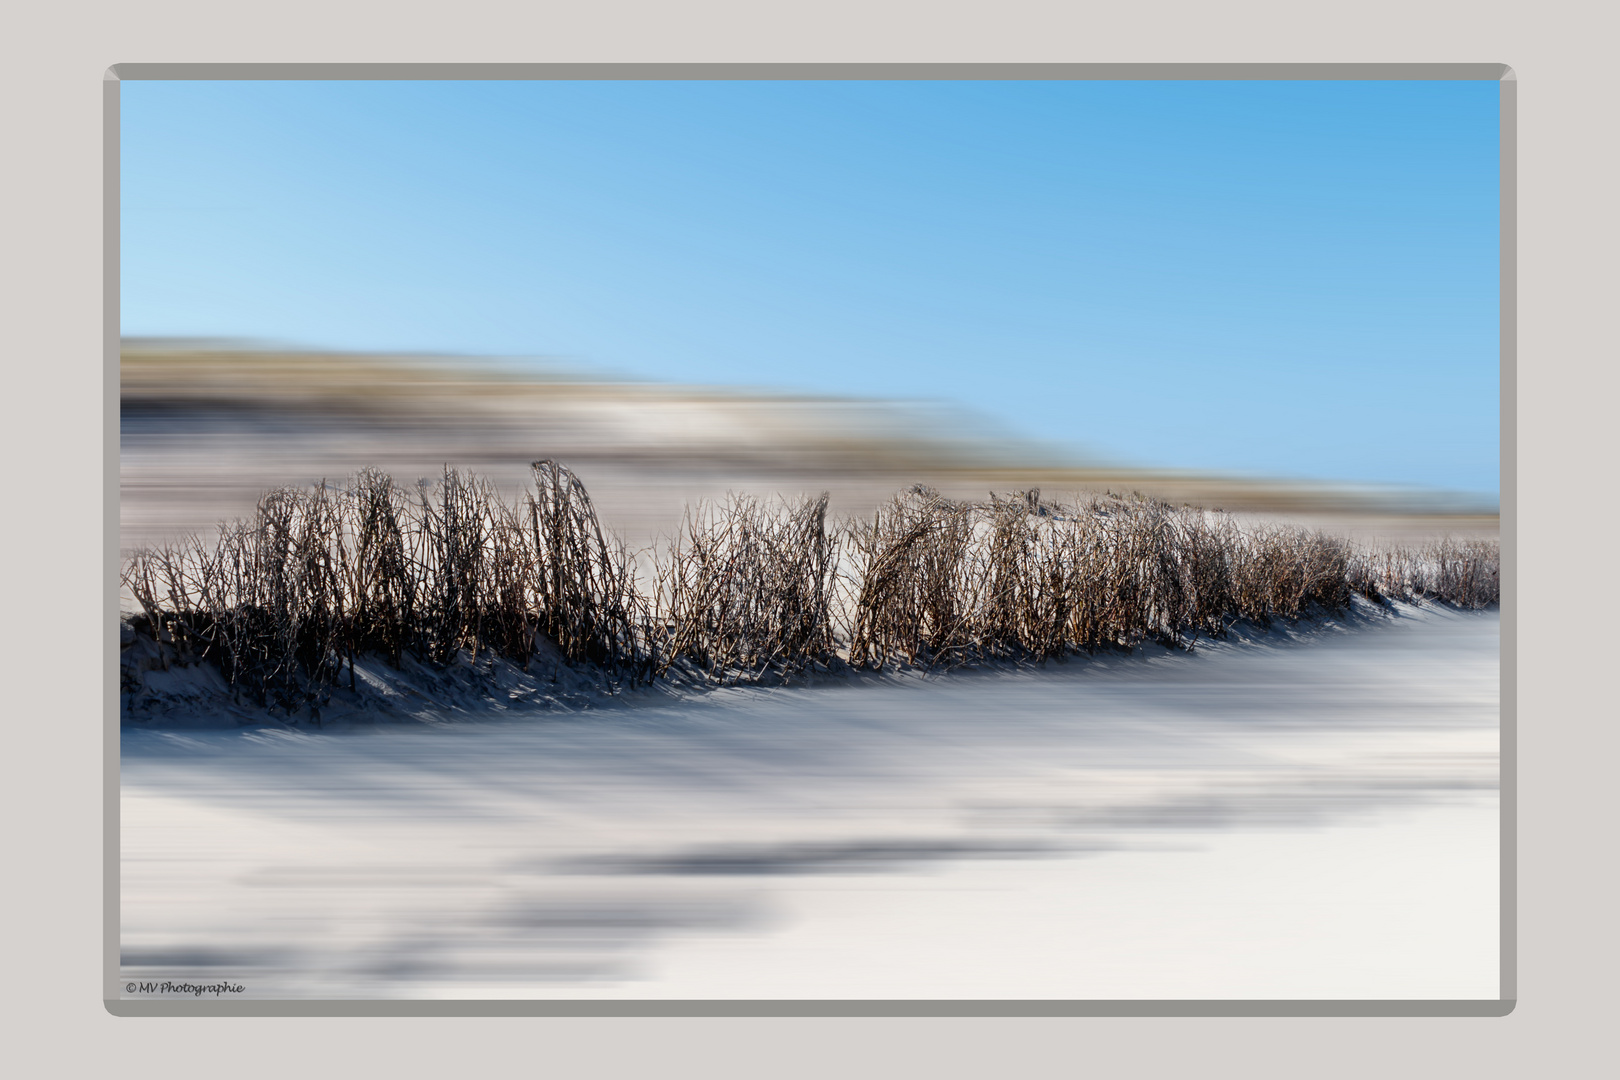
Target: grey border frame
(1508, 301)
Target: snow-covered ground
(1263, 818)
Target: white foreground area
(1261, 819)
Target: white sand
(1314, 820)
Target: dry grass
(1462, 573)
(746, 589)
(1021, 578)
(284, 602)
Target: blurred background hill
(207, 426)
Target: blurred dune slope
(206, 427)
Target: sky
(1288, 279)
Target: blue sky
(1285, 278)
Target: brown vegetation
(284, 602)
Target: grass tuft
(284, 602)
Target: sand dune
(206, 429)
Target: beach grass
(284, 602)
